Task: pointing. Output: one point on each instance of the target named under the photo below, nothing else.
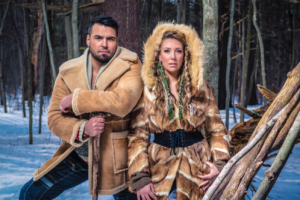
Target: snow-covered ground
(18, 159)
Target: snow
(18, 159)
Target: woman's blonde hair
(186, 90)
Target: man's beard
(101, 58)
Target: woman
(176, 105)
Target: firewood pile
(273, 126)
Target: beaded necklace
(170, 102)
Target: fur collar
(73, 71)
(195, 48)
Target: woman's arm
(138, 143)
(216, 132)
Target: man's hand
(146, 192)
(209, 178)
(66, 103)
(94, 126)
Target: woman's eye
(166, 51)
(179, 51)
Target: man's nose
(104, 43)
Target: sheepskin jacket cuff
(220, 164)
(139, 180)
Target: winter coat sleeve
(138, 143)
(63, 125)
(120, 101)
(216, 132)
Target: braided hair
(159, 91)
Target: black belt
(178, 138)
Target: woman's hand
(65, 103)
(146, 192)
(209, 178)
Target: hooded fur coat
(201, 114)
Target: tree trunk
(232, 6)
(247, 55)
(37, 35)
(179, 3)
(243, 81)
(69, 36)
(49, 42)
(42, 67)
(184, 12)
(3, 95)
(210, 40)
(75, 29)
(262, 50)
(29, 78)
(126, 13)
(4, 16)
(294, 38)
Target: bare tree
(75, 29)
(210, 39)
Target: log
(285, 129)
(265, 128)
(265, 148)
(246, 111)
(290, 87)
(273, 172)
(266, 92)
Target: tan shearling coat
(119, 88)
(201, 114)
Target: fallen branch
(247, 112)
(272, 174)
(240, 154)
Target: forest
(247, 43)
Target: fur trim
(195, 48)
(74, 102)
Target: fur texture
(119, 88)
(200, 114)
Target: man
(115, 73)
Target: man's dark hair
(106, 21)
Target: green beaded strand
(170, 103)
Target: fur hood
(195, 49)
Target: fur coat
(118, 90)
(201, 114)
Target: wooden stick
(247, 112)
(273, 172)
(96, 158)
(240, 154)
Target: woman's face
(171, 55)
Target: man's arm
(120, 101)
(65, 126)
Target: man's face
(103, 42)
